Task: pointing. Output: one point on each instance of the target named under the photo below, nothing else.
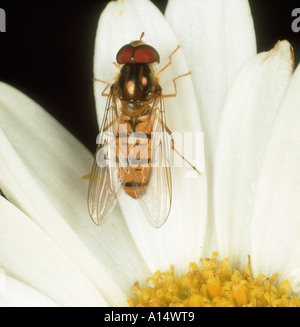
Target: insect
(128, 156)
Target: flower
(244, 203)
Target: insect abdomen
(135, 145)
(133, 187)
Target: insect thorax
(135, 82)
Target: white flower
(245, 203)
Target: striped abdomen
(134, 152)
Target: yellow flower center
(212, 285)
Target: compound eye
(125, 54)
(145, 54)
(141, 54)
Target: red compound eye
(145, 54)
(125, 53)
(141, 54)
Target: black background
(47, 52)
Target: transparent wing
(156, 201)
(105, 185)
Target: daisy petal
(188, 214)
(33, 257)
(276, 222)
(217, 37)
(41, 172)
(248, 116)
(18, 294)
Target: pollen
(212, 284)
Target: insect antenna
(142, 35)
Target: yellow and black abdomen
(134, 155)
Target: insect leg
(176, 151)
(182, 157)
(117, 65)
(170, 60)
(175, 87)
(107, 86)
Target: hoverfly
(134, 106)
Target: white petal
(181, 238)
(217, 37)
(42, 173)
(276, 222)
(30, 255)
(248, 116)
(17, 294)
